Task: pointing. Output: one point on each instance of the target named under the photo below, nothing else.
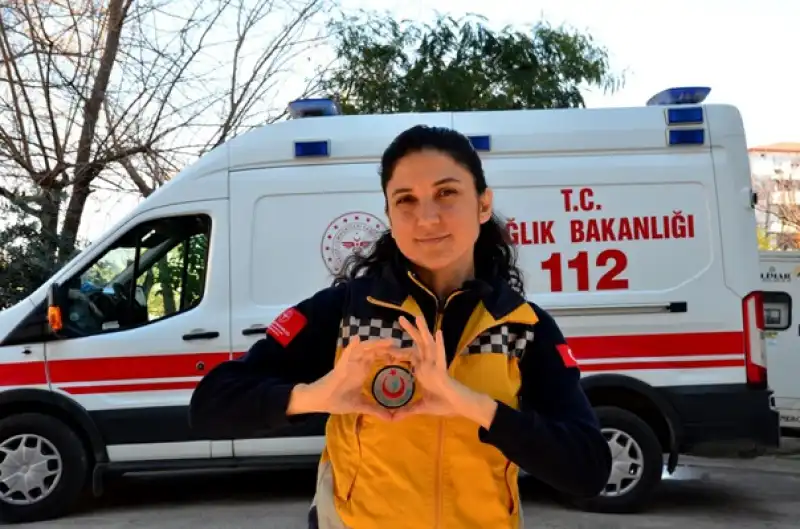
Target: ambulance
(780, 281)
(635, 227)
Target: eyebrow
(446, 180)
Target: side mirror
(54, 308)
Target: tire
(621, 426)
(60, 491)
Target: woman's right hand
(341, 390)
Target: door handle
(201, 335)
(254, 330)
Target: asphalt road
(700, 497)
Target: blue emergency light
(305, 108)
(310, 149)
(686, 136)
(684, 95)
(481, 143)
(687, 111)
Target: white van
(631, 225)
(780, 279)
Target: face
(434, 210)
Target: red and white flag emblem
(566, 355)
(287, 326)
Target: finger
(429, 348)
(367, 351)
(401, 354)
(373, 345)
(422, 328)
(441, 355)
(422, 324)
(417, 334)
(351, 345)
(412, 331)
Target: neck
(443, 282)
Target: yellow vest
(428, 472)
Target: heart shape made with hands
(395, 385)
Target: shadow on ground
(690, 494)
(150, 490)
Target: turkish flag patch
(287, 326)
(566, 355)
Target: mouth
(432, 240)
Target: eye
(404, 199)
(447, 191)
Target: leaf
(384, 66)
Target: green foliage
(387, 66)
(26, 255)
(163, 283)
(763, 239)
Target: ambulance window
(156, 270)
(777, 311)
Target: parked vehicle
(631, 226)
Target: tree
(117, 94)
(22, 264)
(385, 66)
(776, 180)
(763, 239)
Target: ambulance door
(782, 333)
(294, 225)
(144, 319)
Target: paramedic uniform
(424, 471)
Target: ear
(485, 206)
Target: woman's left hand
(441, 394)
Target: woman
(495, 386)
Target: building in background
(775, 172)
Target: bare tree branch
(121, 94)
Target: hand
(341, 390)
(441, 394)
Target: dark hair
(495, 255)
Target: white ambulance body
(780, 280)
(631, 227)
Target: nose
(427, 213)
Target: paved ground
(762, 494)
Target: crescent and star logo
(393, 386)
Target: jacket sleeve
(251, 393)
(555, 435)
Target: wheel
(43, 468)
(637, 463)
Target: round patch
(393, 386)
(350, 233)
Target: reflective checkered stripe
(371, 329)
(502, 339)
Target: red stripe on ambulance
(653, 351)
(658, 345)
(23, 374)
(675, 364)
(123, 388)
(133, 367)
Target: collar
(395, 282)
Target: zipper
(437, 325)
(440, 310)
(439, 493)
(440, 307)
